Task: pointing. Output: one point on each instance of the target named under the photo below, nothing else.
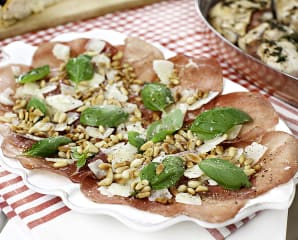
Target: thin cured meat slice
(279, 165)
(140, 55)
(203, 74)
(14, 145)
(211, 210)
(255, 105)
(280, 162)
(8, 74)
(8, 81)
(44, 54)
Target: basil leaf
(149, 172)
(224, 173)
(37, 104)
(172, 172)
(107, 116)
(135, 139)
(47, 146)
(217, 121)
(34, 75)
(80, 68)
(156, 96)
(173, 121)
(80, 158)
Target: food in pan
(134, 128)
(269, 33)
(12, 11)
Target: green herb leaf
(173, 121)
(224, 173)
(172, 172)
(81, 159)
(80, 69)
(107, 116)
(156, 96)
(135, 139)
(217, 121)
(47, 146)
(292, 37)
(37, 103)
(34, 75)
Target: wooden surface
(67, 11)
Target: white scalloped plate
(50, 183)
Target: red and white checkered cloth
(173, 24)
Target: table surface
(187, 36)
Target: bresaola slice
(7, 79)
(202, 74)
(44, 53)
(279, 164)
(211, 210)
(13, 146)
(140, 55)
(255, 105)
(8, 74)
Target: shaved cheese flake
(161, 157)
(72, 117)
(96, 80)
(182, 106)
(211, 182)
(67, 90)
(5, 97)
(255, 151)
(187, 93)
(193, 172)
(233, 132)
(137, 127)
(95, 45)
(61, 51)
(63, 103)
(163, 193)
(111, 74)
(130, 107)
(203, 101)
(211, 144)
(41, 127)
(60, 160)
(94, 132)
(113, 148)
(239, 153)
(33, 137)
(187, 198)
(101, 59)
(60, 127)
(122, 152)
(135, 88)
(163, 69)
(93, 166)
(48, 88)
(113, 92)
(122, 190)
(28, 89)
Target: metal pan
(271, 80)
